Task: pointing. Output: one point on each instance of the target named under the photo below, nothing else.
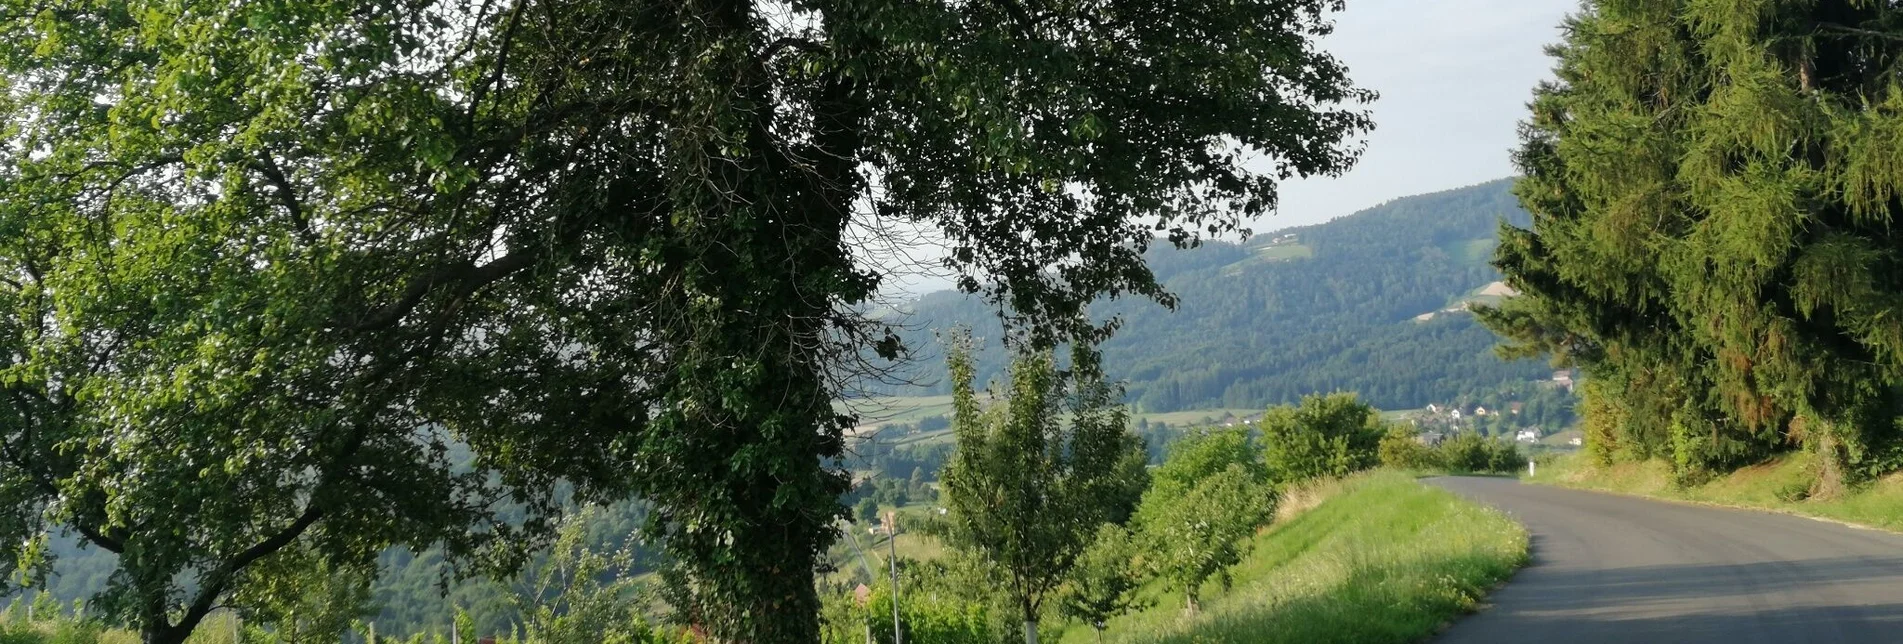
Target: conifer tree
(1714, 189)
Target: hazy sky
(1454, 78)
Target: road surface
(1618, 569)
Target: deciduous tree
(1332, 435)
(1104, 580)
(265, 263)
(1028, 488)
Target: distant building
(1529, 435)
(1480, 411)
(1563, 378)
(1576, 441)
(1515, 407)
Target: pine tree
(1714, 189)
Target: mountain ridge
(1307, 309)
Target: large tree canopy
(264, 263)
(1714, 189)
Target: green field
(1397, 415)
(1196, 417)
(1776, 485)
(897, 410)
(1284, 251)
(903, 410)
(1382, 559)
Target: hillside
(1319, 308)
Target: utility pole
(892, 541)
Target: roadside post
(892, 542)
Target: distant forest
(1272, 319)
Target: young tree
(1201, 454)
(1330, 435)
(577, 595)
(1714, 229)
(1104, 580)
(1026, 489)
(264, 263)
(1198, 535)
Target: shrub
(1332, 435)
(1401, 450)
(1470, 452)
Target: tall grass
(1376, 558)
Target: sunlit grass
(1772, 485)
(1381, 559)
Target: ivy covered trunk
(737, 461)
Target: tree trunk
(1830, 462)
(1189, 605)
(1030, 631)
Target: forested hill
(1274, 318)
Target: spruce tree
(1714, 190)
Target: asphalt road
(1609, 568)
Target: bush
(1471, 453)
(1400, 449)
(1201, 454)
(1332, 435)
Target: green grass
(898, 410)
(1285, 251)
(1766, 486)
(1382, 559)
(1397, 415)
(1195, 417)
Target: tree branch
(467, 276)
(502, 62)
(286, 195)
(1859, 31)
(215, 583)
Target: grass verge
(1777, 485)
(1375, 558)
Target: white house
(1481, 411)
(1528, 435)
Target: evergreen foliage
(1714, 197)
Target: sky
(1454, 78)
